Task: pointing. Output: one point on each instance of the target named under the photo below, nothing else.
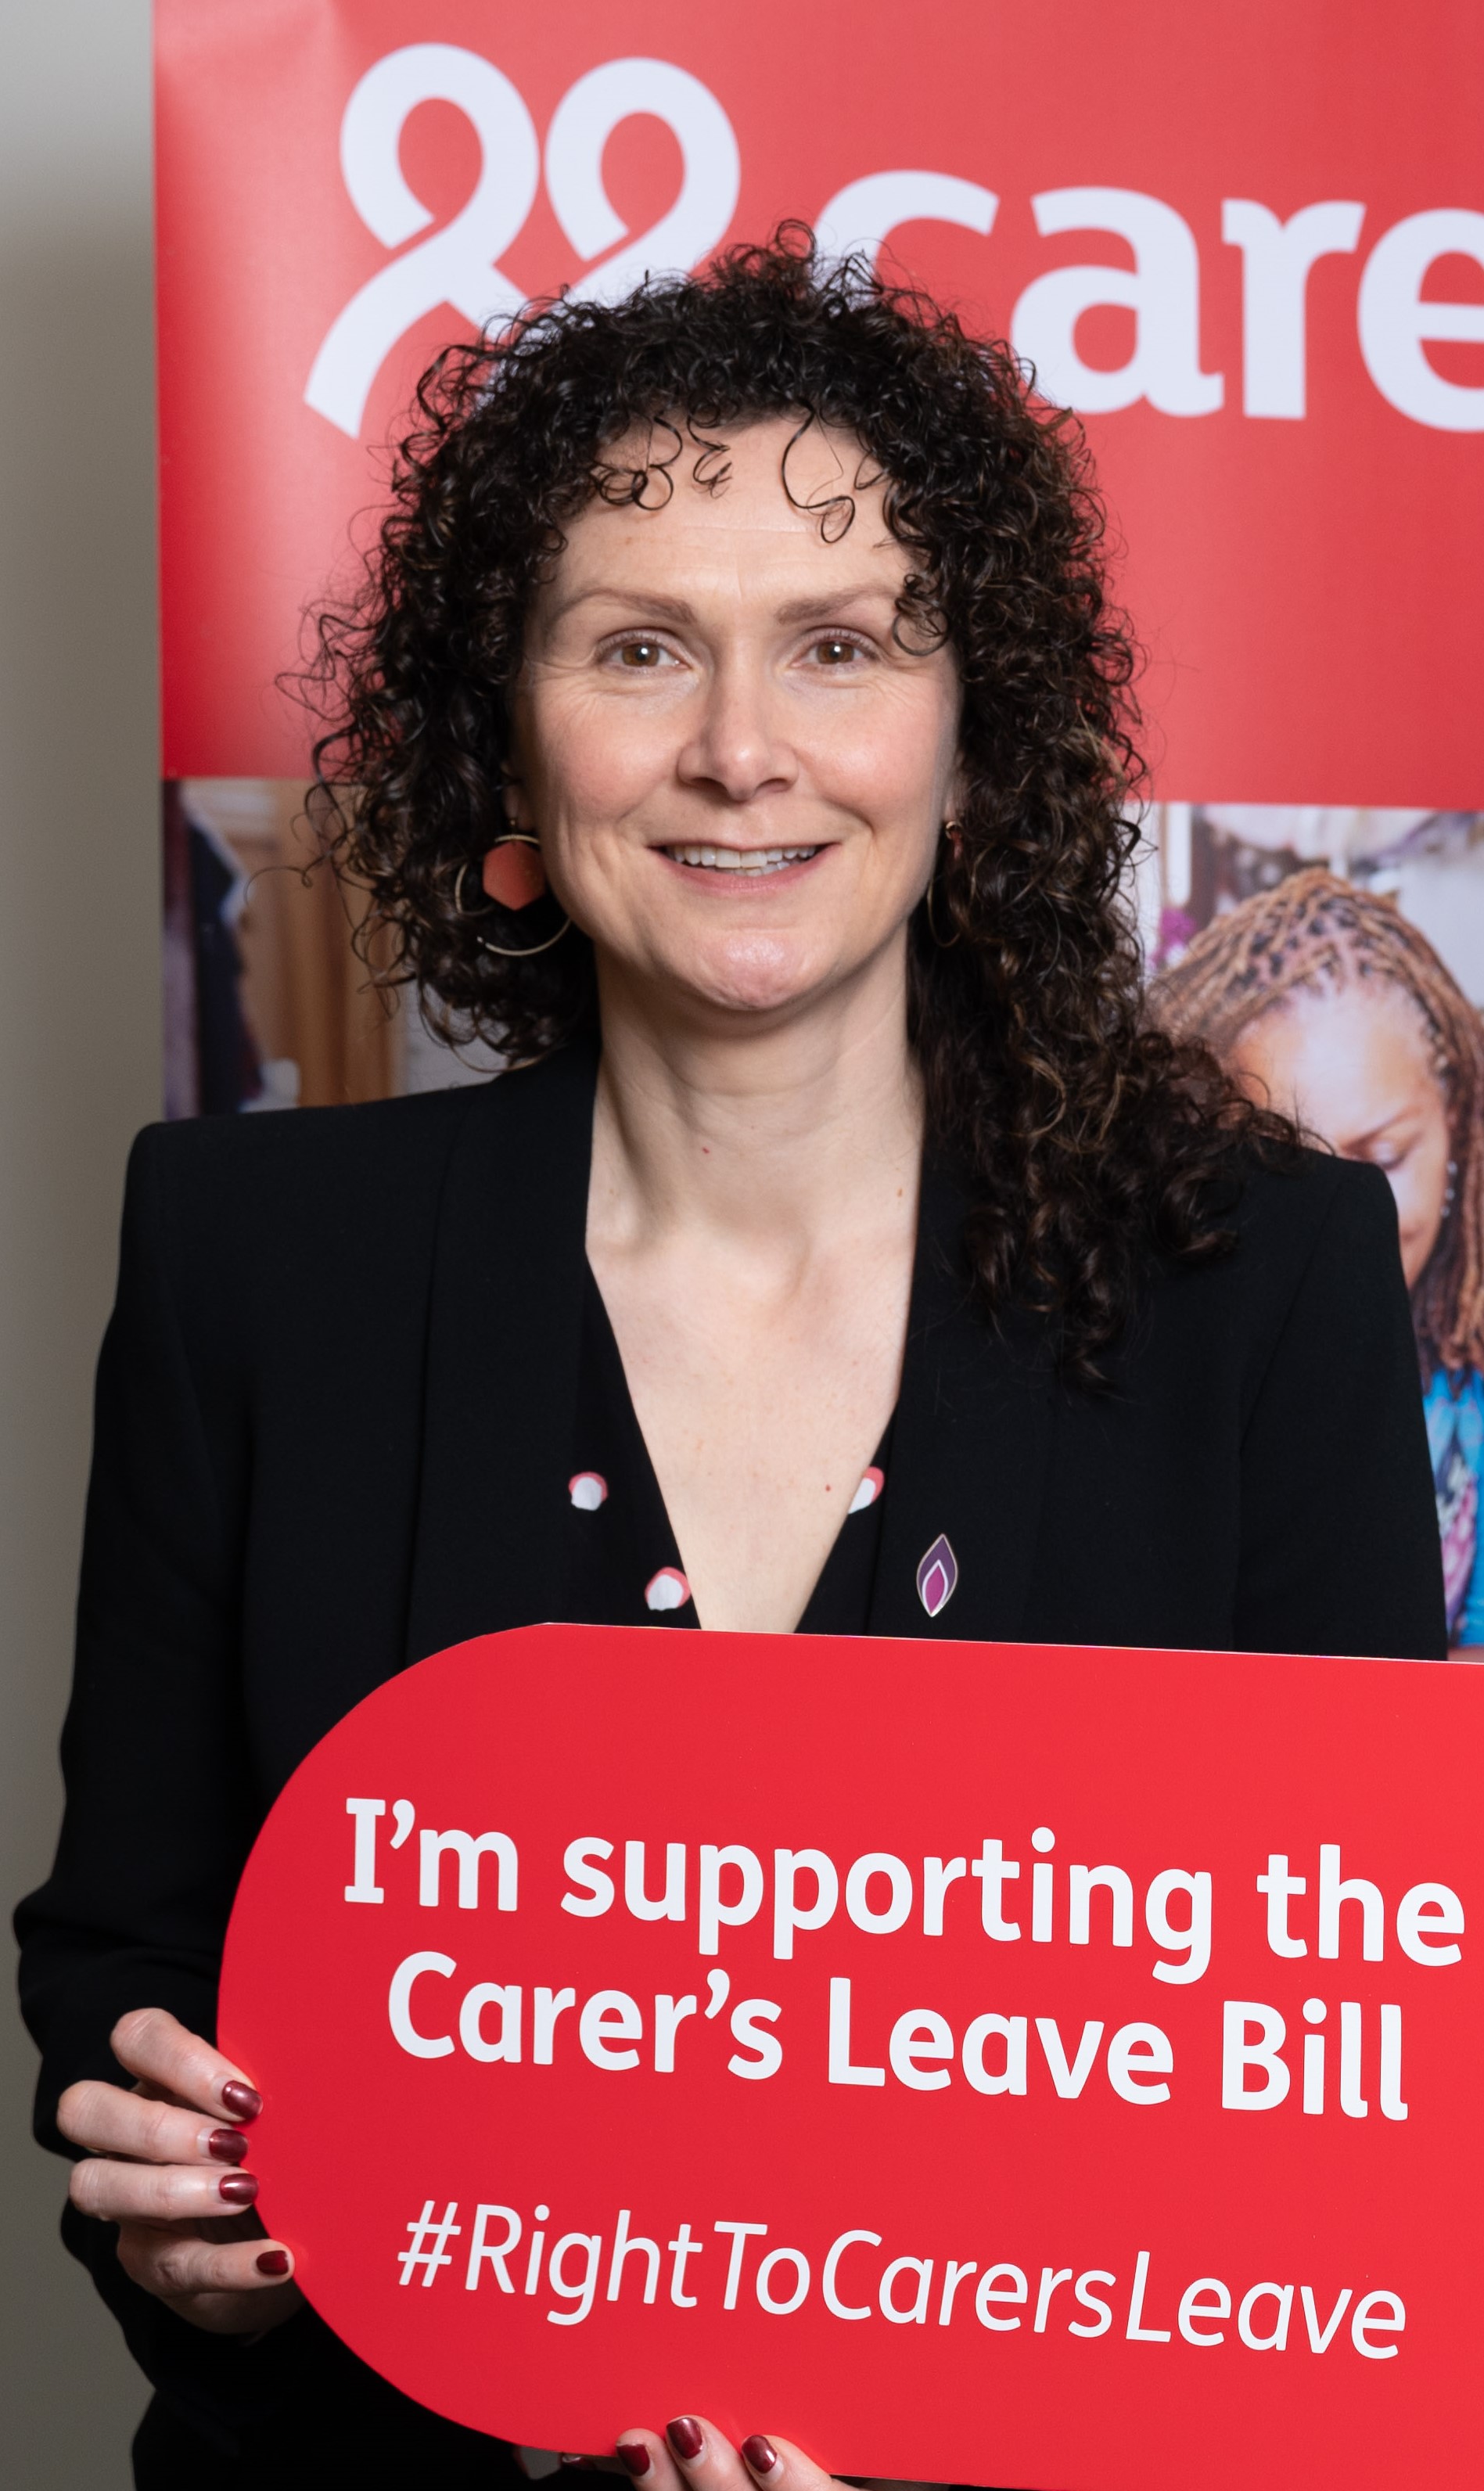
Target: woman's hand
(164, 2163)
(694, 2455)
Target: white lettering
(1391, 2325)
(1067, 2080)
(1017, 2290)
(713, 1914)
(585, 2288)
(1162, 289)
(841, 2071)
(480, 2249)
(1080, 1882)
(1277, 2341)
(1138, 2056)
(898, 1876)
(1136, 2331)
(1011, 2030)
(1394, 321)
(399, 2004)
(1322, 2338)
(1278, 1887)
(1239, 2017)
(917, 2314)
(577, 1864)
(1335, 1890)
(842, 2308)
(800, 2265)
(608, 2016)
(1276, 260)
(1425, 1915)
(787, 1916)
(624, 2243)
(920, 2034)
(362, 1888)
(1196, 1935)
(746, 2017)
(671, 1905)
(669, 2014)
(938, 1875)
(740, 2233)
(1207, 2298)
(470, 2027)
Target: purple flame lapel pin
(937, 1577)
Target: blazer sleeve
(157, 1821)
(1339, 1528)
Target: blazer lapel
(968, 1451)
(502, 1359)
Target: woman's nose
(738, 741)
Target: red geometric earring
(513, 877)
(512, 871)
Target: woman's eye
(642, 653)
(837, 653)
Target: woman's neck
(770, 1140)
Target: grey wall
(78, 1014)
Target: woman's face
(737, 773)
(1356, 1067)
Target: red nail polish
(238, 2188)
(635, 2456)
(239, 2100)
(227, 2145)
(686, 2437)
(272, 2262)
(760, 2453)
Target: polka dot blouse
(624, 1567)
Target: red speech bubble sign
(893, 2049)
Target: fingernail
(760, 2453)
(238, 2188)
(685, 2438)
(272, 2262)
(635, 2456)
(227, 2145)
(240, 2100)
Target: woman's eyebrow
(819, 609)
(675, 609)
(1374, 1132)
(667, 609)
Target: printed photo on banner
(1334, 959)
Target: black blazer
(334, 1418)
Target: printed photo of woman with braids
(1323, 998)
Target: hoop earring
(953, 834)
(507, 950)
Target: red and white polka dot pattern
(872, 1482)
(666, 1589)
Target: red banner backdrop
(1247, 243)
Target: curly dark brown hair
(1091, 1140)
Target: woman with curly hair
(735, 729)
(1322, 999)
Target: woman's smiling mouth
(749, 860)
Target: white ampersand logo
(459, 265)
